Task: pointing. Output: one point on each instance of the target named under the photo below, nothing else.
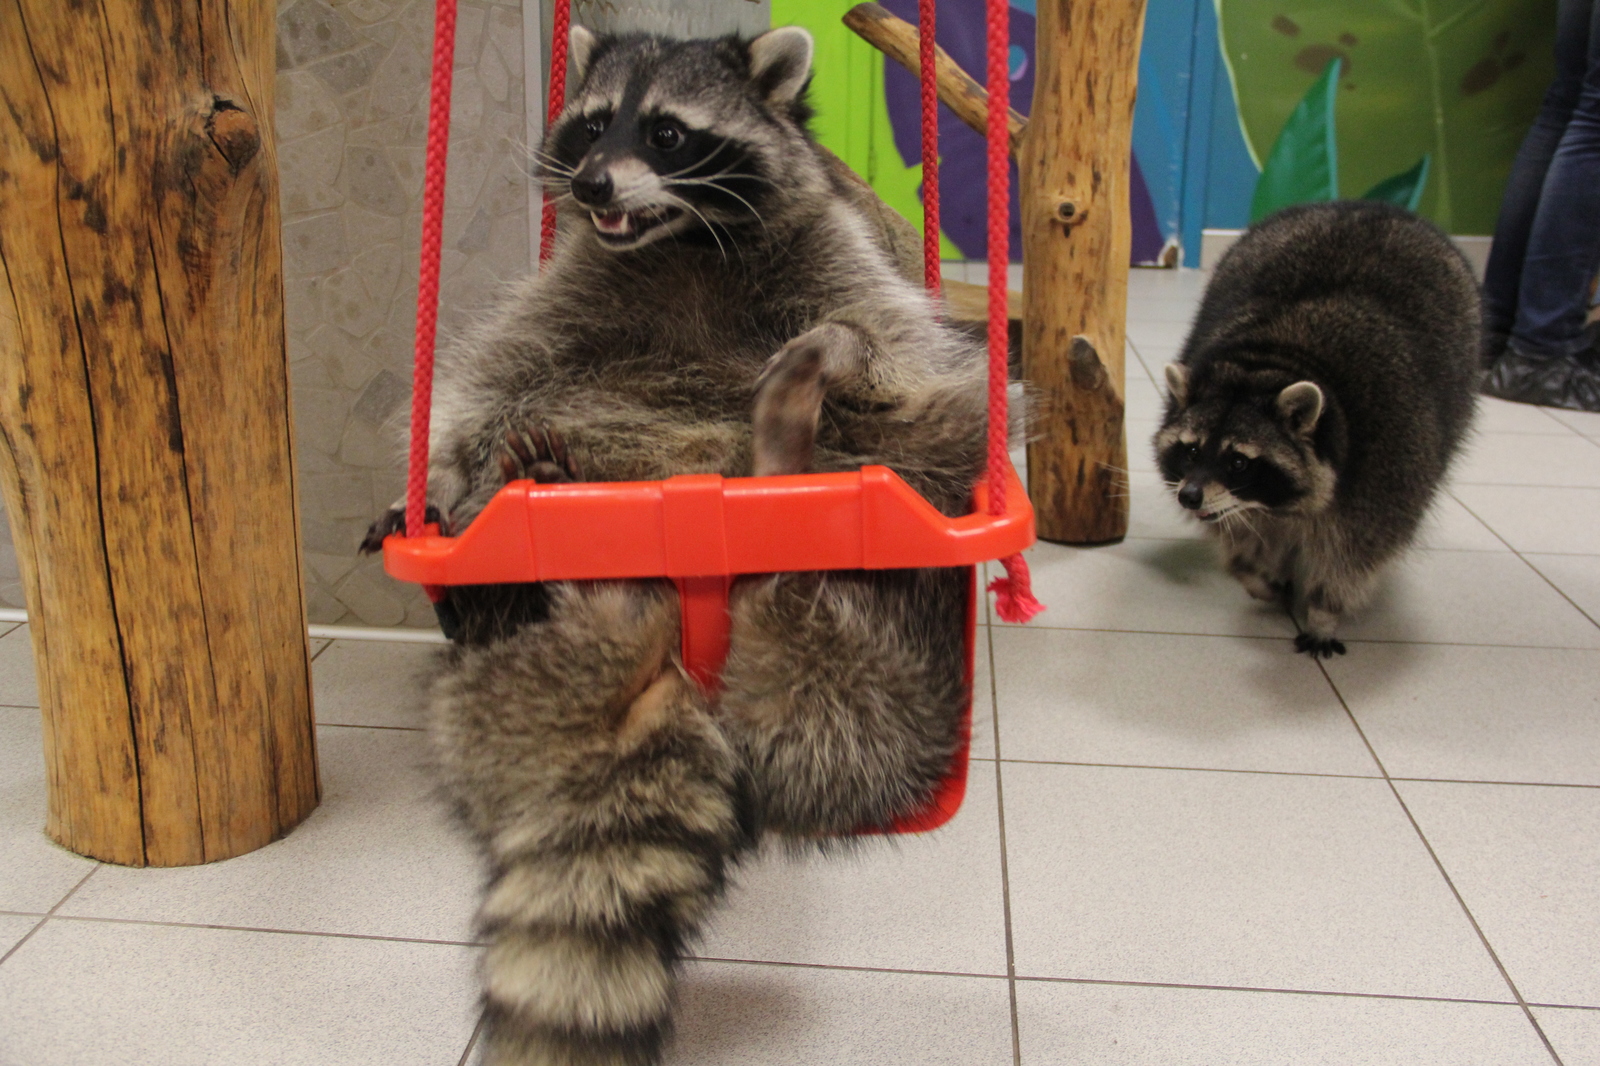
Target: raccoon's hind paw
(392, 521)
(539, 453)
(1318, 647)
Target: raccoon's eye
(1239, 464)
(1190, 453)
(593, 127)
(665, 136)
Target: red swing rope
(559, 32)
(444, 48)
(1014, 601)
(1014, 598)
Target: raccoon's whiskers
(710, 184)
(698, 162)
(679, 201)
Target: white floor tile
(1172, 310)
(1451, 527)
(1458, 597)
(734, 1014)
(982, 699)
(1567, 461)
(1538, 519)
(929, 901)
(1160, 586)
(1153, 700)
(138, 995)
(1131, 1026)
(1503, 416)
(1141, 456)
(35, 872)
(1153, 512)
(1577, 576)
(370, 682)
(1575, 1034)
(1145, 402)
(1524, 859)
(13, 927)
(379, 858)
(1477, 714)
(1157, 334)
(1261, 880)
(1585, 422)
(18, 685)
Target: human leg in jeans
(1547, 243)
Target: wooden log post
(145, 446)
(1077, 234)
(1077, 238)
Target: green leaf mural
(1403, 189)
(1304, 163)
(1456, 80)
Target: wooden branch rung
(899, 40)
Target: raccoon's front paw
(391, 522)
(1318, 647)
(539, 453)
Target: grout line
(1565, 1006)
(1128, 984)
(472, 1042)
(1474, 781)
(1041, 627)
(393, 635)
(48, 915)
(318, 653)
(845, 968)
(1526, 562)
(1005, 868)
(358, 725)
(1448, 880)
(1195, 769)
(1269, 991)
(259, 929)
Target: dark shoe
(1573, 384)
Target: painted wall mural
(1455, 81)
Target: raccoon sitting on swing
(722, 298)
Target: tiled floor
(1184, 844)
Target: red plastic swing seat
(702, 530)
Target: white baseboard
(395, 635)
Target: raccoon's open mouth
(625, 227)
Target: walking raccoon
(1328, 381)
(718, 301)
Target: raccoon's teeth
(613, 223)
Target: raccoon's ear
(1178, 382)
(580, 46)
(780, 63)
(1300, 405)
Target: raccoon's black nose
(1191, 496)
(592, 191)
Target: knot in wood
(234, 132)
(1083, 363)
(1071, 211)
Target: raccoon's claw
(540, 454)
(1318, 647)
(391, 522)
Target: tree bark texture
(1076, 241)
(145, 445)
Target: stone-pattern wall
(352, 129)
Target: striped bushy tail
(611, 808)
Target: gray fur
(1334, 357)
(772, 331)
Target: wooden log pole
(145, 446)
(1077, 238)
(1077, 234)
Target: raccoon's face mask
(1226, 451)
(662, 137)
